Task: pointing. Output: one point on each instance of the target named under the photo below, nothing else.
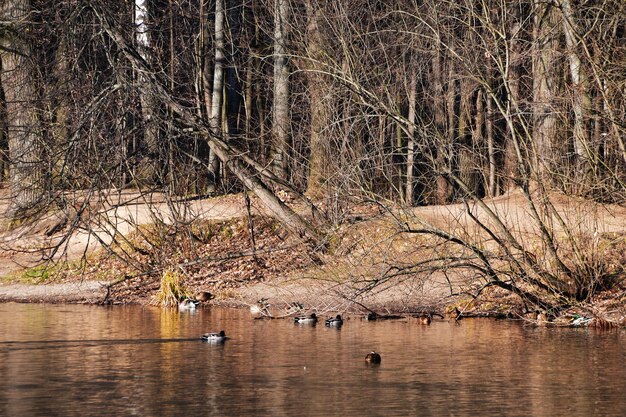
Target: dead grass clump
(171, 291)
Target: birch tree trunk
(215, 119)
(149, 105)
(410, 152)
(280, 116)
(24, 139)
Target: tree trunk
(513, 81)
(152, 166)
(410, 152)
(544, 88)
(24, 139)
(442, 187)
(233, 87)
(280, 116)
(4, 142)
(233, 159)
(215, 119)
(581, 103)
(317, 94)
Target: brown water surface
(71, 360)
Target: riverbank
(241, 258)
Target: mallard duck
(334, 321)
(188, 304)
(260, 308)
(372, 357)
(580, 321)
(312, 319)
(203, 296)
(214, 337)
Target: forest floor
(212, 254)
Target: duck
(375, 316)
(214, 337)
(293, 307)
(541, 319)
(580, 321)
(203, 296)
(312, 319)
(372, 357)
(456, 314)
(425, 320)
(260, 308)
(188, 304)
(334, 321)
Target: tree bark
(233, 85)
(581, 102)
(544, 88)
(152, 166)
(280, 116)
(24, 139)
(442, 186)
(4, 142)
(317, 88)
(410, 152)
(215, 119)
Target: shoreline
(80, 292)
(315, 296)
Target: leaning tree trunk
(24, 142)
(236, 161)
(280, 119)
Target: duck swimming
(188, 304)
(334, 321)
(425, 320)
(372, 357)
(214, 337)
(312, 319)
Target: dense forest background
(402, 102)
(418, 102)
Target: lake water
(72, 360)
